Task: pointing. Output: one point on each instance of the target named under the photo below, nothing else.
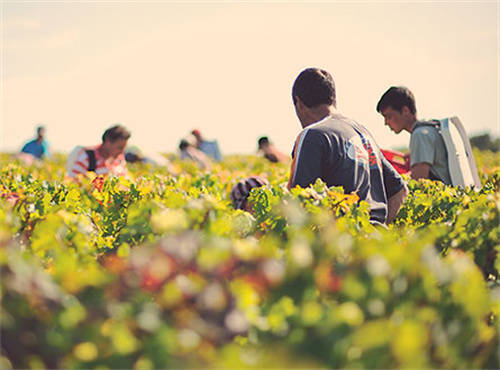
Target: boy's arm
(420, 171)
(422, 151)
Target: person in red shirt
(103, 159)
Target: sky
(163, 68)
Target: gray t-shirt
(342, 152)
(427, 146)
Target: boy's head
(115, 139)
(396, 98)
(397, 106)
(114, 133)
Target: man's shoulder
(313, 131)
(330, 124)
(340, 126)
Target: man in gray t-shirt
(340, 151)
(428, 156)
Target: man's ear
(299, 105)
(405, 111)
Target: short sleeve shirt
(341, 152)
(211, 148)
(34, 148)
(116, 166)
(427, 146)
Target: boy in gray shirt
(428, 156)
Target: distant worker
(241, 191)
(103, 159)
(209, 147)
(38, 147)
(340, 151)
(270, 152)
(428, 155)
(189, 151)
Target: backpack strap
(433, 123)
(92, 160)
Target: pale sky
(162, 68)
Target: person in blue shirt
(38, 147)
(210, 148)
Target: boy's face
(117, 147)
(396, 120)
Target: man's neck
(411, 124)
(318, 113)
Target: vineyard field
(157, 270)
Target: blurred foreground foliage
(159, 271)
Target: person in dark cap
(241, 191)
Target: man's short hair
(117, 132)
(314, 87)
(396, 98)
